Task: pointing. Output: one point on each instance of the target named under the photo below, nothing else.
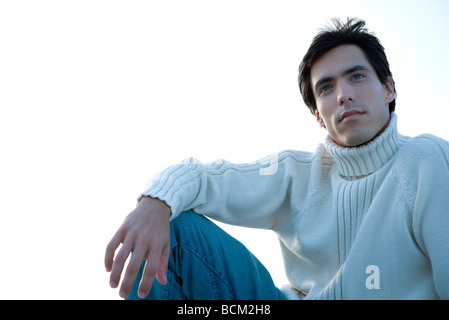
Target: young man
(366, 216)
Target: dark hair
(351, 32)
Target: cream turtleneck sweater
(369, 222)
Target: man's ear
(320, 121)
(390, 95)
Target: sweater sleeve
(431, 208)
(253, 194)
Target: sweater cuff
(177, 186)
(163, 195)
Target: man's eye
(325, 89)
(358, 76)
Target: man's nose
(345, 94)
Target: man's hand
(146, 234)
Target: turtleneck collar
(358, 162)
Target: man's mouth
(350, 115)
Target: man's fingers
(119, 263)
(154, 267)
(110, 250)
(132, 271)
(148, 276)
(157, 261)
(161, 274)
(144, 233)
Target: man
(366, 216)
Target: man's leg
(207, 263)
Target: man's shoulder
(427, 144)
(425, 148)
(421, 159)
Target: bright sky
(97, 96)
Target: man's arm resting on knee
(145, 233)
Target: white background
(97, 96)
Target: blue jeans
(206, 263)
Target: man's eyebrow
(354, 69)
(344, 73)
(321, 82)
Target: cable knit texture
(370, 222)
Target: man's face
(351, 101)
